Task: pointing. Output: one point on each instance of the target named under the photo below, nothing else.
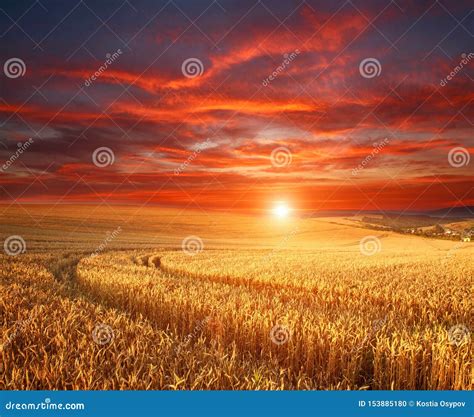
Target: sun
(281, 210)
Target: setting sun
(281, 210)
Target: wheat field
(130, 298)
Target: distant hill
(442, 224)
(465, 212)
(458, 212)
(394, 221)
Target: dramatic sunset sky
(347, 139)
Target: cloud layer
(264, 82)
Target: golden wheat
(309, 311)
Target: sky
(235, 105)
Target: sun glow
(281, 210)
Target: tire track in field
(64, 268)
(65, 271)
(329, 299)
(336, 298)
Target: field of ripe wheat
(146, 302)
